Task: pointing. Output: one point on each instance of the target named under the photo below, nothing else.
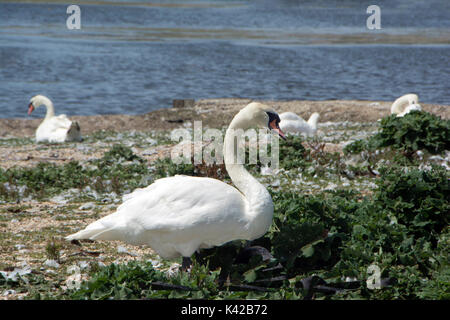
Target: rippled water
(134, 56)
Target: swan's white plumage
(290, 122)
(199, 213)
(405, 104)
(54, 128)
(181, 214)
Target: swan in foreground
(181, 214)
(405, 104)
(290, 122)
(54, 128)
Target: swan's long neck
(48, 104)
(399, 105)
(260, 206)
(313, 119)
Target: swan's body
(181, 214)
(54, 128)
(290, 122)
(405, 104)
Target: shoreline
(216, 113)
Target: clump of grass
(52, 250)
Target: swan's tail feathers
(313, 119)
(107, 228)
(74, 133)
(84, 234)
(97, 234)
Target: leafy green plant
(417, 130)
(417, 198)
(292, 153)
(167, 168)
(359, 146)
(118, 152)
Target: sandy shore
(216, 113)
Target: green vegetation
(321, 244)
(415, 131)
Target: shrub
(417, 130)
(417, 198)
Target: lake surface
(131, 57)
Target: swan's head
(413, 102)
(261, 116)
(37, 101)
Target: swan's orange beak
(275, 127)
(30, 108)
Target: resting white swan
(290, 122)
(54, 128)
(181, 214)
(405, 104)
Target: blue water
(132, 57)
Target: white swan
(405, 104)
(290, 122)
(54, 128)
(181, 214)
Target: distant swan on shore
(54, 128)
(405, 104)
(290, 122)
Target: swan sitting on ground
(405, 104)
(180, 215)
(54, 128)
(290, 122)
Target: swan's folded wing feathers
(59, 122)
(53, 129)
(196, 201)
(290, 116)
(294, 126)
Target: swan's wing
(290, 116)
(174, 212)
(172, 203)
(294, 126)
(55, 129)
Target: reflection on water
(136, 56)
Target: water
(131, 57)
